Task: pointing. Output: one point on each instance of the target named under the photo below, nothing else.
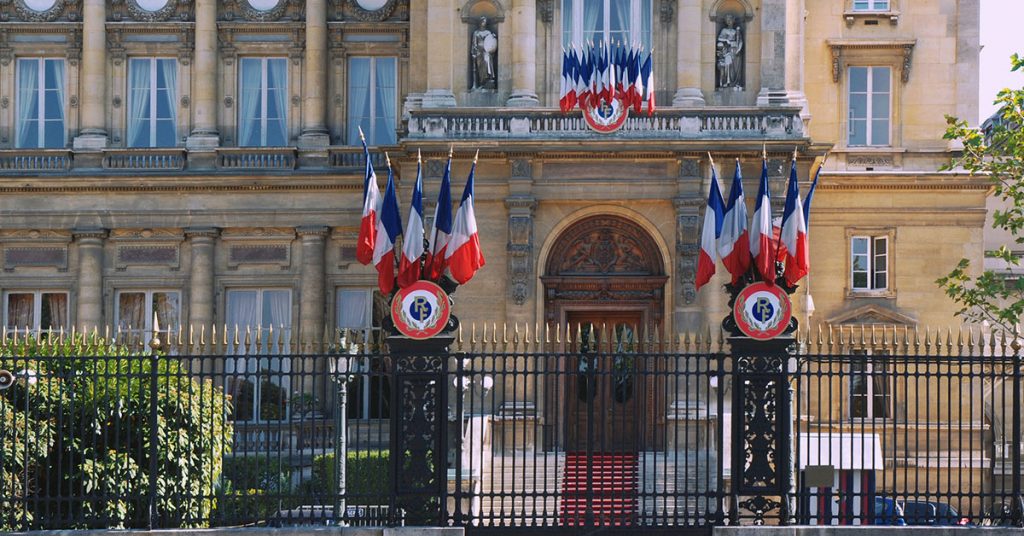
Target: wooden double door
(610, 402)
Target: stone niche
(483, 20)
(731, 20)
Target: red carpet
(613, 481)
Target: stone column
(795, 56)
(688, 47)
(440, 65)
(93, 77)
(204, 135)
(773, 53)
(202, 241)
(314, 77)
(311, 289)
(90, 278)
(524, 42)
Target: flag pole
(778, 243)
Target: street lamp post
(339, 367)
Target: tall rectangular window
(869, 391)
(259, 385)
(40, 104)
(152, 98)
(136, 310)
(372, 96)
(35, 310)
(869, 106)
(369, 392)
(869, 262)
(626, 21)
(870, 5)
(263, 105)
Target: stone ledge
(256, 531)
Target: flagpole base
(523, 98)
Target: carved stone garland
(355, 11)
(61, 9)
(285, 9)
(131, 10)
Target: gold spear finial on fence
(154, 343)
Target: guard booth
(837, 479)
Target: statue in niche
(728, 54)
(483, 51)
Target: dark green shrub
(78, 423)
(367, 476)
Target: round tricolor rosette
(607, 117)
(421, 310)
(762, 311)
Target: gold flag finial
(419, 156)
(362, 138)
(451, 151)
(476, 156)
(794, 153)
(764, 151)
(711, 159)
(388, 158)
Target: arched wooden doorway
(605, 270)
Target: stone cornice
(907, 180)
(35, 185)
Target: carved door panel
(608, 408)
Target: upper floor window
(152, 95)
(372, 94)
(869, 105)
(625, 21)
(40, 107)
(35, 310)
(869, 263)
(870, 5)
(263, 106)
(136, 309)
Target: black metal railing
(571, 433)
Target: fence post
(1018, 500)
(154, 420)
(340, 366)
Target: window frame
(257, 364)
(868, 369)
(871, 6)
(285, 87)
(147, 329)
(636, 17)
(872, 236)
(37, 308)
(869, 118)
(351, 122)
(153, 92)
(40, 117)
(371, 382)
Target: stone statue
(727, 54)
(483, 49)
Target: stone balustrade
(257, 158)
(35, 160)
(146, 159)
(773, 123)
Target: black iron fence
(610, 431)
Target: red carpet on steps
(613, 481)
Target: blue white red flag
(441, 230)
(810, 194)
(734, 243)
(371, 206)
(794, 232)
(762, 247)
(389, 228)
(713, 215)
(464, 254)
(412, 245)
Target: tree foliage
(80, 428)
(998, 152)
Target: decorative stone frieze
(687, 245)
(242, 10)
(61, 10)
(130, 10)
(520, 246)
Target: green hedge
(367, 476)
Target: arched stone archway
(604, 263)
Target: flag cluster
(453, 246)
(593, 75)
(726, 237)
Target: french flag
(464, 255)
(734, 243)
(371, 205)
(389, 228)
(761, 244)
(412, 246)
(713, 215)
(441, 230)
(794, 232)
(563, 94)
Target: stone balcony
(525, 124)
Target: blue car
(933, 513)
(888, 512)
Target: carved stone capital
(91, 237)
(521, 204)
(202, 234)
(311, 232)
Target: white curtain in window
(620, 23)
(131, 311)
(28, 103)
(139, 85)
(385, 132)
(248, 125)
(358, 97)
(58, 306)
(169, 68)
(277, 78)
(592, 13)
(58, 82)
(165, 305)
